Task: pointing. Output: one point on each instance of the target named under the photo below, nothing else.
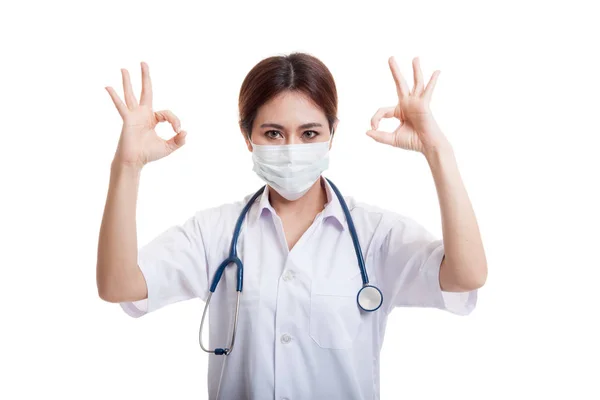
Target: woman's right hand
(139, 144)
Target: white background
(517, 97)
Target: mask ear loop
(331, 136)
(250, 140)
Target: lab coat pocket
(334, 313)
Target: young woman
(302, 330)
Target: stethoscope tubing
(233, 258)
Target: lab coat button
(285, 338)
(288, 275)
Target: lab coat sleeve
(174, 265)
(410, 260)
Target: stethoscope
(369, 297)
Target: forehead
(290, 107)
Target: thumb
(381, 136)
(177, 141)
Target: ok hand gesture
(139, 144)
(418, 130)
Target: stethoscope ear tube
(233, 258)
(220, 351)
(213, 287)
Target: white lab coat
(300, 332)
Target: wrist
(435, 152)
(121, 168)
(433, 140)
(127, 162)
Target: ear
(335, 124)
(248, 144)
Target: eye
(273, 134)
(311, 134)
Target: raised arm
(118, 276)
(464, 266)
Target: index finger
(401, 86)
(383, 112)
(146, 97)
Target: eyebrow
(303, 126)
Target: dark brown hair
(296, 71)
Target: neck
(311, 203)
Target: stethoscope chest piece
(369, 298)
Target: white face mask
(291, 169)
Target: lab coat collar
(333, 209)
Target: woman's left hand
(418, 130)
